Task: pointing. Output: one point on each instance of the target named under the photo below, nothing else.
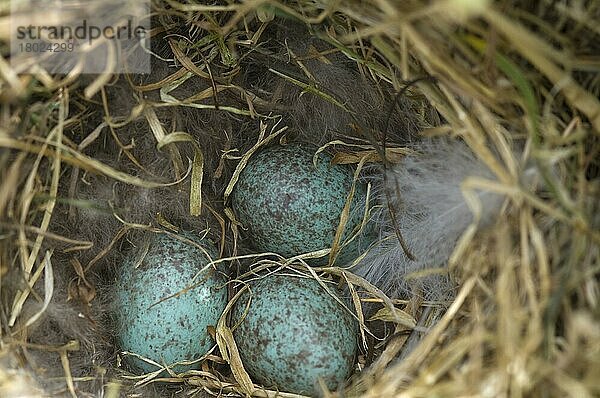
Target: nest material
(516, 83)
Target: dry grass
(526, 319)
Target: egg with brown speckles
(295, 333)
(164, 306)
(290, 206)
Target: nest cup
(474, 126)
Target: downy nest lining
(423, 189)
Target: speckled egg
(294, 333)
(156, 316)
(290, 207)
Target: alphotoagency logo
(80, 36)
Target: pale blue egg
(164, 307)
(294, 334)
(290, 206)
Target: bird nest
(488, 297)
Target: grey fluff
(432, 214)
